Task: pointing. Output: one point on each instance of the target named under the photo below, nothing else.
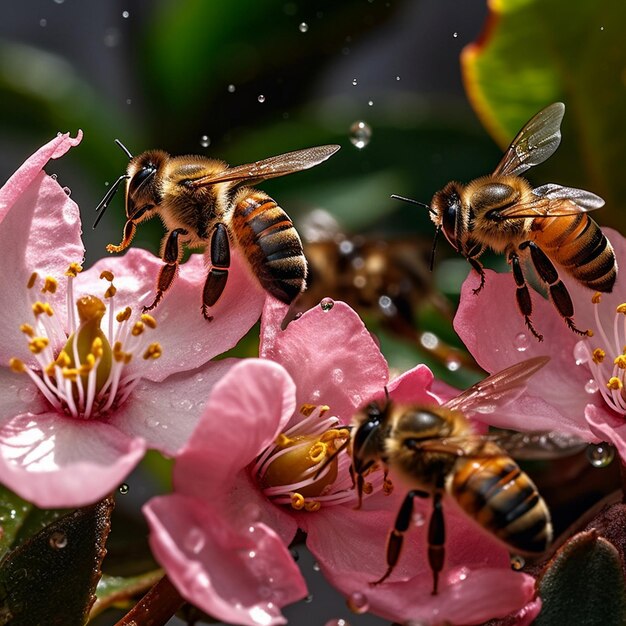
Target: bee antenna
(387, 398)
(404, 199)
(124, 148)
(104, 203)
(432, 253)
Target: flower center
(304, 466)
(86, 376)
(606, 357)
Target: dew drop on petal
(27, 394)
(54, 176)
(326, 304)
(355, 82)
(67, 191)
(600, 454)
(458, 575)
(517, 562)
(360, 134)
(303, 27)
(125, 14)
(316, 566)
(251, 512)
(205, 141)
(58, 540)
(337, 622)
(591, 386)
(337, 376)
(123, 489)
(521, 342)
(194, 540)
(358, 603)
(581, 354)
(231, 88)
(261, 98)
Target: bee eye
(143, 174)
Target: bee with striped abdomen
(434, 450)
(548, 224)
(203, 202)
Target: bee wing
(535, 143)
(275, 166)
(538, 445)
(498, 389)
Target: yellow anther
(63, 360)
(598, 355)
(331, 434)
(31, 281)
(41, 307)
(106, 275)
(49, 370)
(110, 292)
(589, 332)
(50, 285)
(70, 373)
(122, 316)
(17, 365)
(317, 452)
(38, 344)
(27, 329)
(127, 358)
(88, 365)
(620, 361)
(148, 320)
(138, 328)
(312, 505)
(97, 347)
(597, 296)
(614, 383)
(282, 441)
(153, 351)
(297, 501)
(73, 270)
(621, 308)
(324, 408)
(307, 409)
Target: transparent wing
(497, 390)
(535, 143)
(538, 445)
(272, 167)
(584, 200)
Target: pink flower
(580, 391)
(247, 480)
(84, 394)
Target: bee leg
(171, 254)
(396, 536)
(558, 292)
(475, 263)
(522, 294)
(436, 538)
(218, 274)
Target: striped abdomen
(502, 499)
(578, 244)
(271, 244)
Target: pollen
(598, 355)
(614, 383)
(38, 344)
(73, 270)
(297, 501)
(50, 285)
(149, 321)
(17, 365)
(110, 292)
(621, 308)
(107, 275)
(596, 298)
(39, 308)
(137, 328)
(620, 361)
(124, 315)
(153, 351)
(28, 330)
(32, 280)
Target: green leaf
(534, 52)
(583, 584)
(116, 590)
(51, 578)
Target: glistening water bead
(303, 27)
(205, 141)
(337, 622)
(600, 454)
(357, 602)
(58, 540)
(522, 341)
(360, 134)
(517, 562)
(326, 304)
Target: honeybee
(204, 202)
(548, 224)
(435, 451)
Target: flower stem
(156, 607)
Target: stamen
(621, 308)
(620, 361)
(614, 383)
(596, 298)
(149, 321)
(28, 330)
(153, 351)
(124, 315)
(31, 281)
(17, 365)
(598, 355)
(297, 501)
(49, 285)
(107, 275)
(137, 328)
(38, 344)
(73, 270)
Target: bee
(548, 224)
(205, 203)
(434, 450)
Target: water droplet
(194, 540)
(251, 512)
(125, 14)
(337, 622)
(303, 27)
(327, 304)
(252, 554)
(53, 176)
(337, 376)
(600, 454)
(418, 519)
(316, 566)
(261, 98)
(581, 353)
(458, 575)
(453, 364)
(358, 603)
(485, 409)
(58, 540)
(370, 103)
(591, 386)
(517, 562)
(360, 134)
(231, 88)
(601, 27)
(346, 247)
(455, 35)
(355, 82)
(429, 340)
(309, 598)
(205, 141)
(27, 394)
(521, 342)
(68, 191)
(43, 22)
(123, 489)
(397, 78)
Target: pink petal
(231, 573)
(165, 414)
(606, 426)
(19, 395)
(187, 339)
(43, 230)
(330, 355)
(28, 171)
(414, 386)
(56, 461)
(246, 410)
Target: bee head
(445, 212)
(367, 440)
(143, 190)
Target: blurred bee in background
(548, 224)
(204, 202)
(434, 450)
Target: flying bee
(549, 224)
(205, 203)
(434, 450)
